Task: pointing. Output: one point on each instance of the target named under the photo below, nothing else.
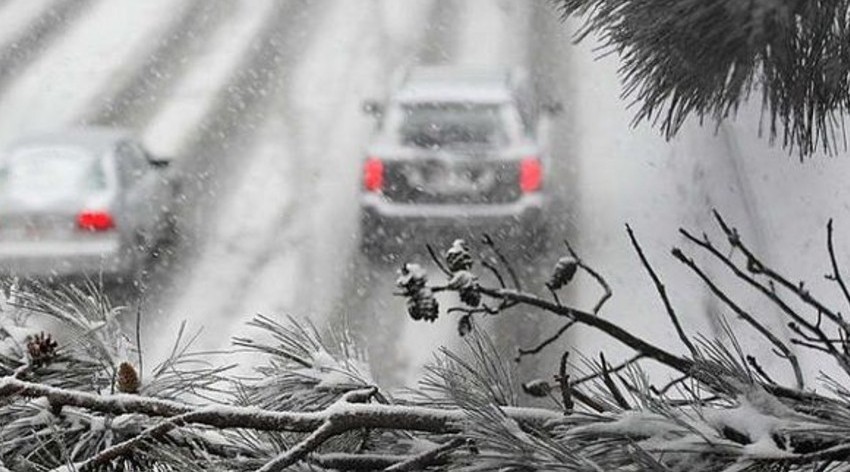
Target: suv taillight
(373, 174)
(90, 220)
(530, 174)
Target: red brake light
(373, 174)
(530, 174)
(95, 220)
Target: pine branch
(704, 58)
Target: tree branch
(836, 273)
(786, 352)
(662, 292)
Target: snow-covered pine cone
(412, 277)
(464, 324)
(421, 304)
(458, 256)
(466, 283)
(563, 272)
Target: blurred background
(256, 106)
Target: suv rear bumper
(386, 223)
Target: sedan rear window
(436, 125)
(51, 173)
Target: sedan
(89, 203)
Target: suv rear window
(437, 125)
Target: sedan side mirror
(553, 107)
(159, 162)
(373, 107)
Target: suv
(456, 152)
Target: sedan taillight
(530, 174)
(373, 174)
(95, 220)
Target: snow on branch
(314, 403)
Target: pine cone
(458, 257)
(466, 283)
(464, 324)
(537, 388)
(41, 349)
(421, 304)
(412, 278)
(128, 379)
(563, 272)
(471, 296)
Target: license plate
(459, 180)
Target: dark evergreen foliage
(702, 58)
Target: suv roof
(457, 84)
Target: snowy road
(259, 101)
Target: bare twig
(766, 291)
(539, 347)
(650, 350)
(495, 272)
(607, 293)
(436, 258)
(836, 273)
(797, 290)
(786, 352)
(504, 260)
(554, 295)
(759, 369)
(662, 292)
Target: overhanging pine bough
(314, 405)
(703, 58)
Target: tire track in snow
(233, 126)
(441, 34)
(138, 90)
(31, 41)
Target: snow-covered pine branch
(76, 402)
